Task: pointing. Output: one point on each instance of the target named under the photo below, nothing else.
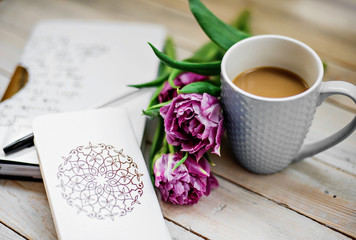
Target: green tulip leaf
(181, 161)
(201, 87)
(219, 32)
(207, 68)
(153, 111)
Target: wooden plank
(309, 187)
(178, 232)
(267, 16)
(328, 17)
(333, 37)
(11, 46)
(231, 212)
(42, 10)
(30, 13)
(24, 207)
(177, 18)
(4, 81)
(328, 120)
(331, 17)
(338, 72)
(8, 234)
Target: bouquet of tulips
(186, 103)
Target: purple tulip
(168, 93)
(187, 183)
(194, 122)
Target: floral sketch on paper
(100, 181)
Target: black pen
(19, 144)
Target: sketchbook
(76, 65)
(96, 179)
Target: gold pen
(17, 82)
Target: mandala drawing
(100, 181)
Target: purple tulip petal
(187, 183)
(194, 122)
(168, 93)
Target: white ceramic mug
(267, 134)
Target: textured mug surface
(266, 134)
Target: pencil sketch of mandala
(100, 181)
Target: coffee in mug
(267, 133)
(273, 82)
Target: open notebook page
(77, 65)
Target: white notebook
(95, 176)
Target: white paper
(77, 65)
(134, 104)
(95, 176)
(3, 84)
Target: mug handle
(328, 89)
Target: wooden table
(312, 199)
